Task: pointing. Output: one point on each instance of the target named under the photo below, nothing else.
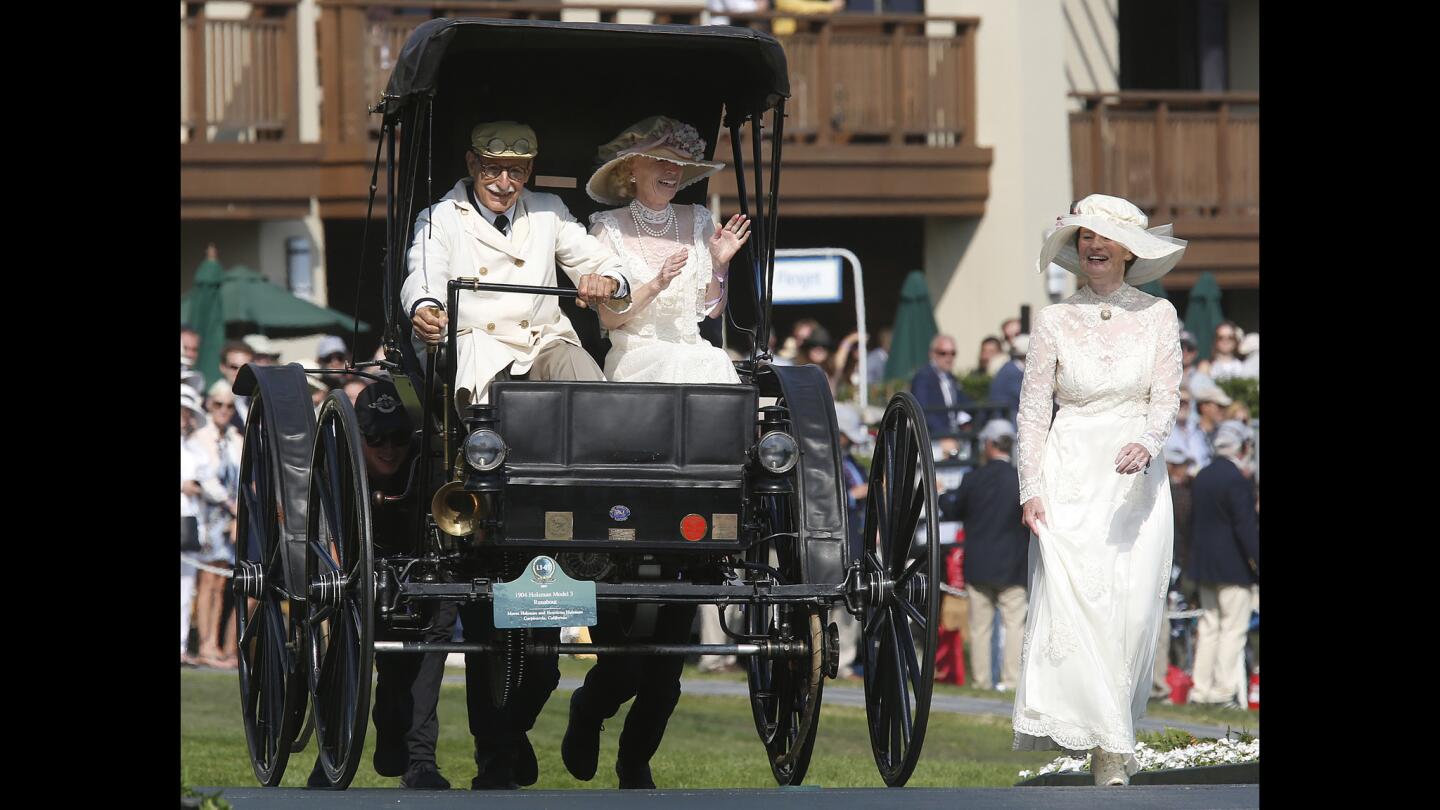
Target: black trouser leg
(495, 728)
(407, 693)
(654, 682)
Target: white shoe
(1109, 769)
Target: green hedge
(1243, 389)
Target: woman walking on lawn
(1099, 515)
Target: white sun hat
(658, 137)
(1156, 251)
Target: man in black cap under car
(407, 689)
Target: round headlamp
(777, 452)
(484, 450)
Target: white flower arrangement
(1205, 752)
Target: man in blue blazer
(935, 388)
(1225, 563)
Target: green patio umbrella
(252, 303)
(1202, 313)
(206, 316)
(914, 329)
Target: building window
(297, 267)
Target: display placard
(544, 596)
(808, 280)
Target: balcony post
(198, 90)
(1162, 122)
(824, 87)
(897, 85)
(1097, 148)
(1222, 158)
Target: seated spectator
(332, 353)
(990, 348)
(1224, 359)
(233, 357)
(785, 26)
(938, 393)
(721, 9)
(1210, 403)
(265, 352)
(799, 332)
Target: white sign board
(808, 280)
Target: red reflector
(692, 527)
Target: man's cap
(504, 139)
(378, 410)
(1231, 434)
(819, 336)
(1207, 391)
(261, 346)
(996, 429)
(329, 345)
(1020, 346)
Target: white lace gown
(662, 343)
(1100, 569)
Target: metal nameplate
(724, 526)
(544, 596)
(559, 525)
(622, 534)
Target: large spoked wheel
(339, 573)
(785, 693)
(268, 621)
(902, 558)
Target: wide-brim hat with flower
(657, 137)
(1156, 251)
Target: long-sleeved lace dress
(662, 342)
(1100, 569)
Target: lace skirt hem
(1042, 735)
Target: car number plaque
(544, 596)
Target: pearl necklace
(644, 217)
(640, 214)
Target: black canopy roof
(751, 62)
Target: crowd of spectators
(212, 435)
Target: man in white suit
(488, 226)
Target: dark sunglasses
(394, 438)
(939, 353)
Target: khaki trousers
(557, 361)
(1220, 643)
(1012, 603)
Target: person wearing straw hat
(489, 226)
(1093, 486)
(679, 260)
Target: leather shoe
(391, 763)
(632, 778)
(424, 776)
(580, 750)
(527, 769)
(496, 771)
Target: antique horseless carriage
(733, 494)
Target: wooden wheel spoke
(902, 683)
(916, 565)
(911, 512)
(912, 612)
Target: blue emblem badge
(619, 513)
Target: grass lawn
(711, 742)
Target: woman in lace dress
(678, 265)
(1093, 489)
(678, 260)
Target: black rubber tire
(267, 621)
(339, 572)
(902, 611)
(785, 694)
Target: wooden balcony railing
(878, 78)
(1174, 154)
(238, 78)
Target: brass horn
(456, 511)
